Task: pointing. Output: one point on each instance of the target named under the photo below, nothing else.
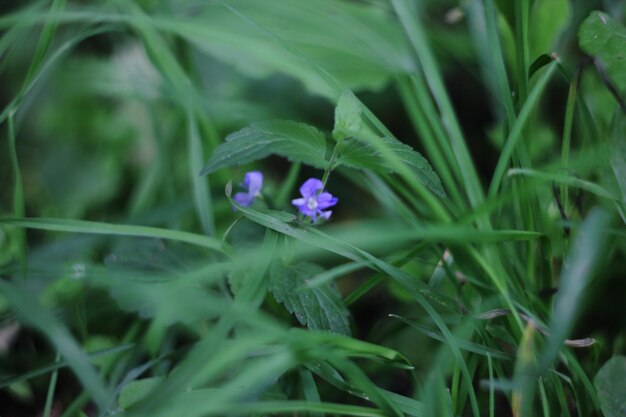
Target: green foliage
(458, 275)
(611, 386)
(248, 36)
(136, 391)
(348, 120)
(604, 38)
(361, 148)
(318, 308)
(295, 141)
(548, 19)
(618, 153)
(364, 155)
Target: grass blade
(18, 190)
(412, 26)
(199, 185)
(36, 316)
(109, 229)
(516, 131)
(59, 365)
(51, 387)
(585, 255)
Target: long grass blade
(516, 131)
(109, 229)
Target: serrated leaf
(610, 382)
(604, 38)
(347, 116)
(362, 155)
(319, 308)
(293, 140)
(360, 147)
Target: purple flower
(254, 181)
(313, 202)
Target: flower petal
(299, 202)
(254, 181)
(244, 199)
(325, 200)
(310, 187)
(326, 214)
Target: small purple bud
(254, 181)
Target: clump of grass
(139, 278)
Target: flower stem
(330, 166)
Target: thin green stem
(570, 109)
(522, 11)
(51, 388)
(331, 164)
(76, 405)
(492, 403)
(18, 192)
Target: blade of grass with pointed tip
(421, 125)
(516, 130)
(311, 394)
(356, 348)
(45, 39)
(565, 180)
(463, 344)
(199, 185)
(410, 21)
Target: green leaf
(586, 253)
(293, 140)
(319, 308)
(135, 391)
(363, 149)
(618, 153)
(463, 344)
(362, 155)
(347, 116)
(357, 43)
(611, 386)
(98, 228)
(604, 38)
(548, 19)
